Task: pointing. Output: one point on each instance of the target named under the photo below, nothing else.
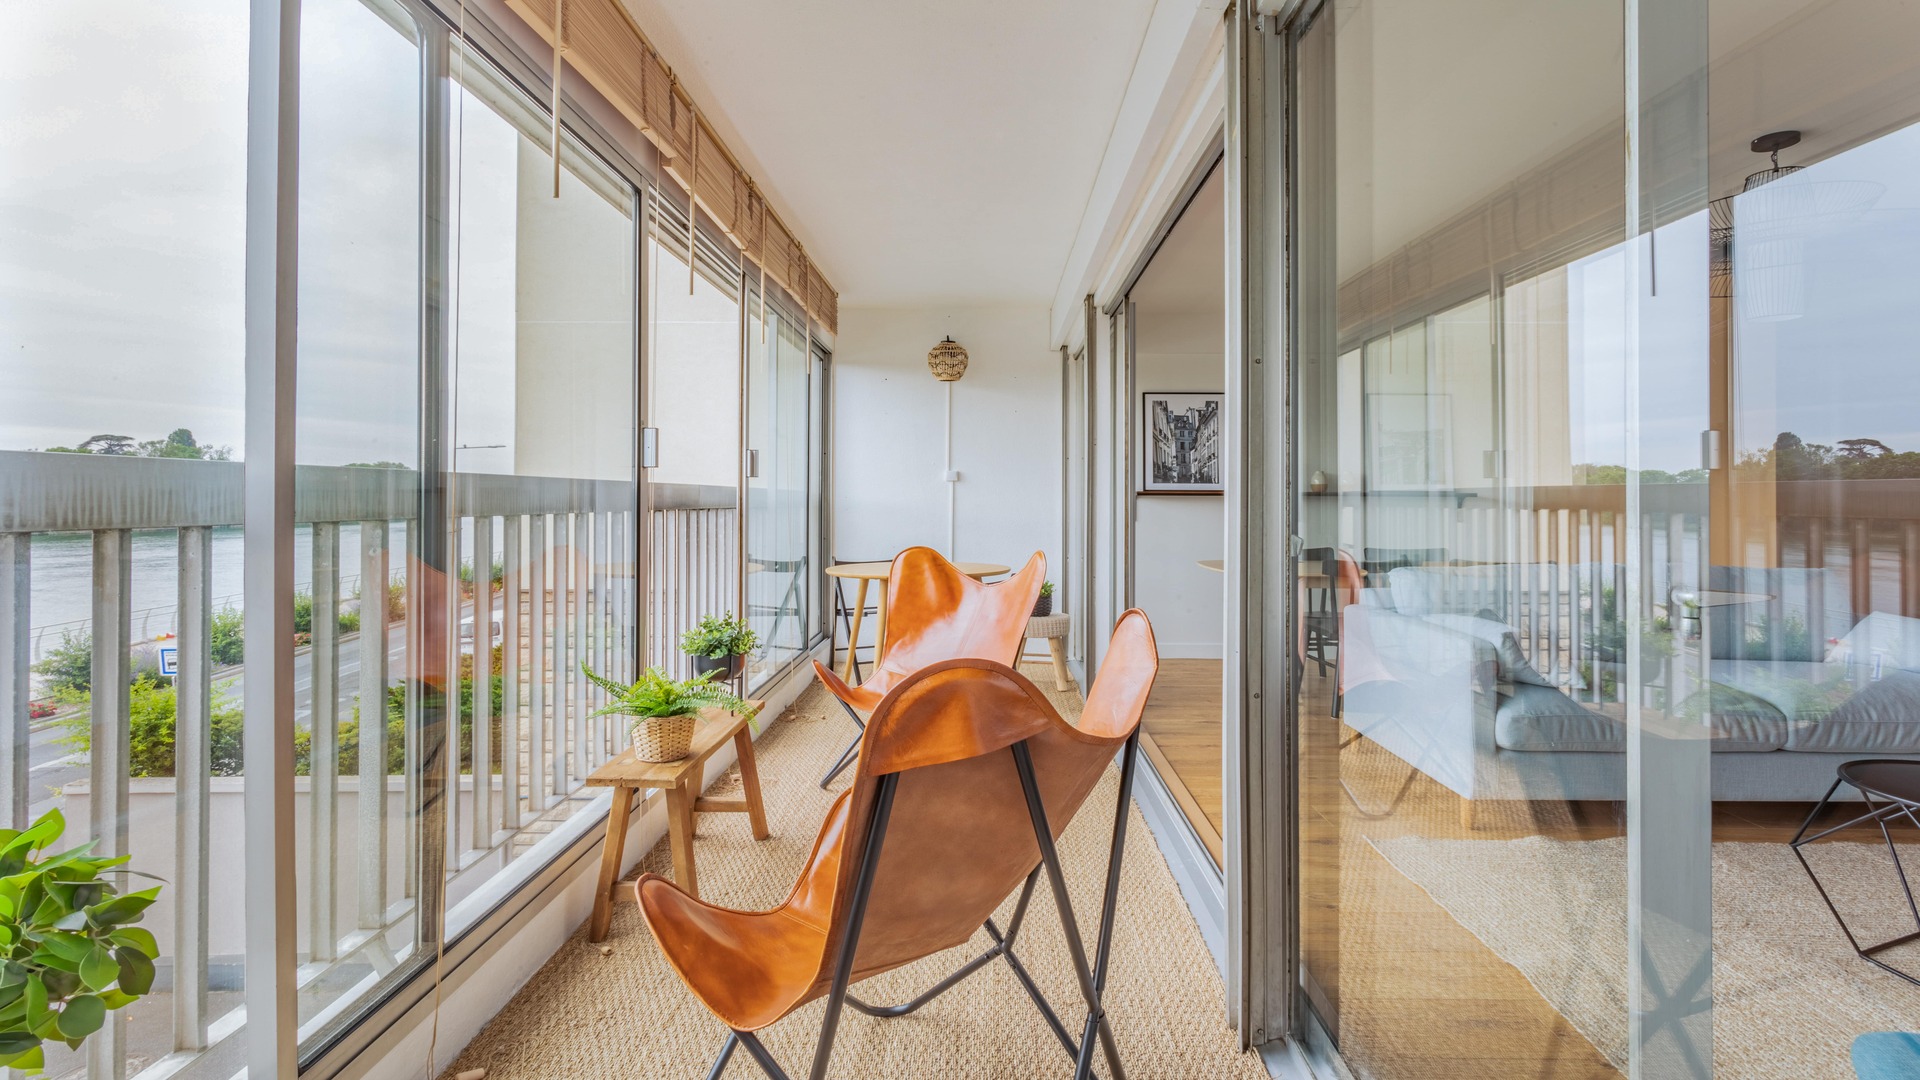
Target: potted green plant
(719, 646)
(1044, 605)
(662, 710)
(72, 953)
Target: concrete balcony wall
(890, 435)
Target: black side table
(1896, 783)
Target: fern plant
(657, 694)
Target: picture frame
(1182, 443)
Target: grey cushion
(1455, 590)
(1511, 660)
(1804, 691)
(1542, 718)
(1879, 717)
(1741, 722)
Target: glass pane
(1811, 600)
(122, 187)
(368, 684)
(693, 399)
(778, 521)
(1462, 387)
(543, 492)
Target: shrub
(229, 637)
(152, 712)
(303, 618)
(68, 666)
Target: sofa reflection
(1507, 681)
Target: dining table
(868, 572)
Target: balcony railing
(566, 593)
(1823, 553)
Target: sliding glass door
(782, 537)
(1602, 461)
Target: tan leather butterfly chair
(966, 776)
(935, 613)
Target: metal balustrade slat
(536, 663)
(482, 824)
(323, 737)
(192, 789)
(371, 746)
(16, 671)
(562, 685)
(512, 710)
(108, 748)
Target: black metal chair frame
(1093, 977)
(1879, 814)
(852, 752)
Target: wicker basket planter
(663, 738)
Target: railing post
(192, 787)
(372, 801)
(512, 634)
(108, 750)
(451, 614)
(483, 683)
(537, 673)
(562, 685)
(16, 672)
(582, 642)
(323, 747)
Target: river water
(63, 576)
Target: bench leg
(616, 844)
(1062, 681)
(750, 783)
(680, 838)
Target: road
(53, 763)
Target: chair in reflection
(935, 613)
(1324, 600)
(791, 602)
(896, 875)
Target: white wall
(1172, 533)
(889, 436)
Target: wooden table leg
(680, 838)
(1062, 681)
(610, 857)
(750, 783)
(853, 635)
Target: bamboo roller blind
(606, 48)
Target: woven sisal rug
(1788, 993)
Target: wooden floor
(1182, 722)
(1406, 991)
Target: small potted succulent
(719, 645)
(662, 710)
(69, 952)
(1044, 605)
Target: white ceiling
(924, 153)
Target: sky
(122, 176)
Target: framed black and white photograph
(1181, 444)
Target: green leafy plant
(657, 694)
(68, 666)
(72, 953)
(1046, 588)
(229, 630)
(718, 637)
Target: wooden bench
(681, 781)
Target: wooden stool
(681, 781)
(1054, 629)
